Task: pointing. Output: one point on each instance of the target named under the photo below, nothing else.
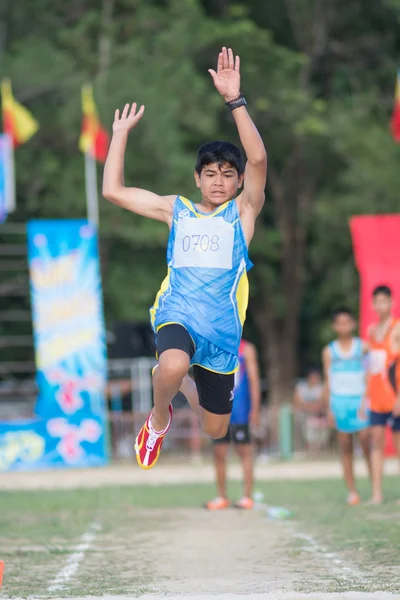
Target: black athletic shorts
(215, 389)
(236, 434)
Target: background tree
(319, 78)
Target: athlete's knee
(216, 430)
(172, 368)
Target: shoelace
(151, 441)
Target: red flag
(94, 138)
(395, 120)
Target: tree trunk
(105, 39)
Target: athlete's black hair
(341, 310)
(220, 153)
(382, 289)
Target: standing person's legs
(377, 461)
(365, 441)
(346, 452)
(220, 452)
(244, 449)
(378, 425)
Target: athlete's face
(382, 305)
(218, 183)
(343, 325)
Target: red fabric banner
(376, 244)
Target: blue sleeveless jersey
(347, 385)
(206, 288)
(241, 400)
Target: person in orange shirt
(383, 388)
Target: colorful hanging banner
(70, 351)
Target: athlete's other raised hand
(227, 77)
(128, 119)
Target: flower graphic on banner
(69, 395)
(69, 446)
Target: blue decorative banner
(7, 184)
(70, 351)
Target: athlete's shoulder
(182, 206)
(327, 350)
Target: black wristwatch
(236, 102)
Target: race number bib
(204, 243)
(348, 384)
(377, 361)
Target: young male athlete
(383, 394)
(245, 412)
(345, 373)
(200, 309)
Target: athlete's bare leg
(346, 452)
(220, 454)
(396, 440)
(173, 365)
(245, 452)
(377, 458)
(365, 441)
(189, 390)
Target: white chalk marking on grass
(339, 568)
(75, 559)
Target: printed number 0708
(204, 242)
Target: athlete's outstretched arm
(136, 200)
(227, 81)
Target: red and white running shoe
(149, 442)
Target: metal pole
(92, 201)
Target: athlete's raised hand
(227, 77)
(129, 118)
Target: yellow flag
(18, 122)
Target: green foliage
(319, 83)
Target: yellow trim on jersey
(160, 293)
(242, 296)
(199, 215)
(213, 371)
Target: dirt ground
(191, 551)
(130, 474)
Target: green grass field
(38, 530)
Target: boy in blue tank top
(199, 312)
(345, 380)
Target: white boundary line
(341, 569)
(72, 564)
